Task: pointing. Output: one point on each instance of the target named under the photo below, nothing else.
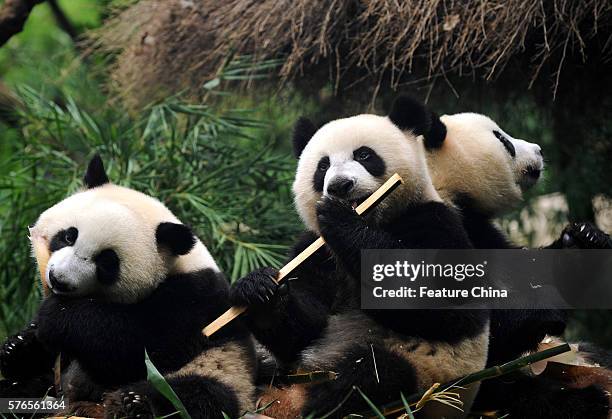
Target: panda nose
(56, 284)
(340, 187)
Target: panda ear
(303, 131)
(437, 132)
(409, 114)
(95, 174)
(178, 238)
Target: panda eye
(70, 236)
(323, 164)
(506, 142)
(363, 155)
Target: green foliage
(43, 55)
(209, 166)
(159, 382)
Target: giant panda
(125, 275)
(315, 323)
(484, 171)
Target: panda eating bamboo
(317, 324)
(473, 165)
(125, 275)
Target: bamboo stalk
(492, 372)
(373, 200)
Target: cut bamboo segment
(373, 200)
(40, 246)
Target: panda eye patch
(371, 161)
(323, 164)
(362, 154)
(319, 174)
(63, 238)
(506, 142)
(71, 235)
(107, 266)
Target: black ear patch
(303, 131)
(437, 133)
(408, 113)
(95, 174)
(178, 238)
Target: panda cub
(124, 276)
(382, 352)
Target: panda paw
(18, 353)
(127, 404)
(585, 236)
(256, 288)
(334, 213)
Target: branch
(62, 19)
(13, 16)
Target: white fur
(402, 153)
(472, 161)
(124, 220)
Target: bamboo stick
(362, 209)
(492, 372)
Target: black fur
(423, 226)
(297, 313)
(178, 238)
(431, 225)
(35, 387)
(202, 398)
(95, 174)
(409, 114)
(319, 176)
(395, 375)
(303, 131)
(109, 339)
(372, 163)
(539, 397)
(437, 133)
(506, 142)
(20, 356)
(107, 266)
(328, 283)
(305, 307)
(514, 332)
(63, 238)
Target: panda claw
(585, 236)
(256, 288)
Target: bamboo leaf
(161, 385)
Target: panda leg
(380, 377)
(203, 397)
